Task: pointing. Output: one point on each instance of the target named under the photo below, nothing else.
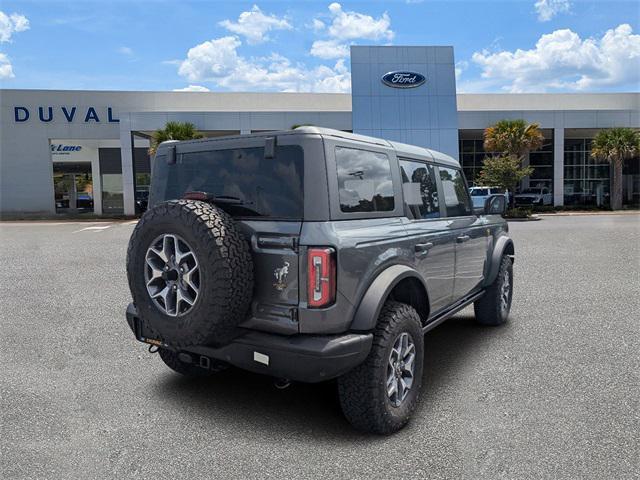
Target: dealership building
(86, 151)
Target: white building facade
(86, 151)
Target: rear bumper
(304, 358)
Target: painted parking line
(38, 224)
(94, 228)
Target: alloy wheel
(172, 275)
(400, 369)
(505, 293)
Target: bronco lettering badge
(281, 276)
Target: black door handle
(423, 247)
(463, 238)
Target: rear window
(364, 181)
(249, 184)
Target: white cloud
(345, 27)
(192, 88)
(317, 25)
(547, 9)
(254, 25)
(460, 67)
(353, 25)
(211, 59)
(218, 61)
(328, 49)
(6, 70)
(10, 24)
(126, 51)
(561, 60)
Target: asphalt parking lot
(554, 394)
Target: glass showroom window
(142, 171)
(472, 155)
(111, 179)
(542, 162)
(586, 180)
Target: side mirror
(495, 205)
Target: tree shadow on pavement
(240, 400)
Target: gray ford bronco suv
(312, 255)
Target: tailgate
(274, 248)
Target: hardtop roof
(402, 149)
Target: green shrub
(544, 208)
(518, 212)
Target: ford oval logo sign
(403, 79)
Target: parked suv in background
(479, 195)
(312, 255)
(534, 196)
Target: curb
(570, 214)
(533, 218)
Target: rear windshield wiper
(224, 201)
(210, 197)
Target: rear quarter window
(364, 181)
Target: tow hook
(153, 348)
(282, 383)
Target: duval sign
(403, 79)
(65, 113)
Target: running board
(441, 317)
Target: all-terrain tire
(225, 273)
(171, 359)
(363, 391)
(493, 308)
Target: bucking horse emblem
(281, 276)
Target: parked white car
(480, 194)
(534, 196)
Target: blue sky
(508, 46)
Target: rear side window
(420, 189)
(364, 181)
(251, 185)
(454, 188)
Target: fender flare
(369, 308)
(503, 244)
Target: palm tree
(173, 131)
(513, 137)
(512, 140)
(615, 146)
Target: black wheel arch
(503, 246)
(397, 282)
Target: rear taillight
(321, 274)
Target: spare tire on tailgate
(190, 273)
